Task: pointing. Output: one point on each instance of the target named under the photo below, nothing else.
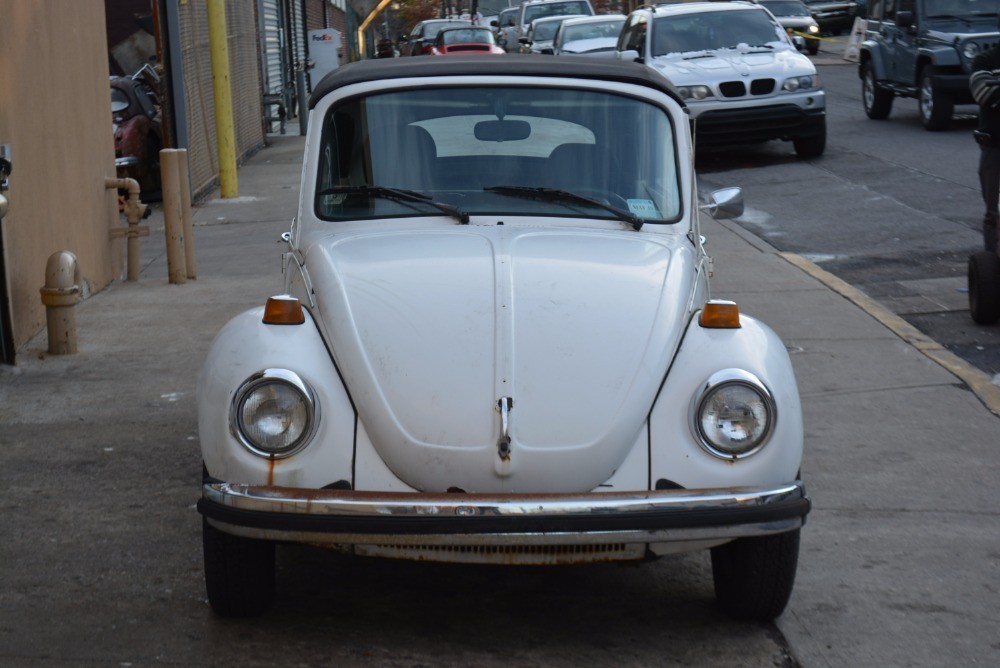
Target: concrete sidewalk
(900, 559)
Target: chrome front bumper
(375, 518)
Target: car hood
(430, 329)
(710, 67)
(949, 29)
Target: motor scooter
(984, 286)
(138, 129)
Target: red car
(466, 40)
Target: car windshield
(934, 8)
(491, 7)
(533, 12)
(457, 146)
(711, 31)
(612, 28)
(544, 31)
(786, 7)
(466, 36)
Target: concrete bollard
(60, 294)
(184, 183)
(173, 215)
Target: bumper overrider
(358, 518)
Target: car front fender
(676, 453)
(245, 347)
(872, 52)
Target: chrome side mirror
(725, 203)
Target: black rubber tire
(812, 47)
(239, 573)
(811, 146)
(877, 101)
(935, 109)
(754, 576)
(984, 287)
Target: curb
(978, 381)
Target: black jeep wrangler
(923, 49)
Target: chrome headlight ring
(734, 414)
(274, 405)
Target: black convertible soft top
(571, 67)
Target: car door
(903, 56)
(899, 42)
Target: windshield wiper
(554, 194)
(398, 195)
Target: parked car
(466, 40)
(498, 343)
(924, 50)
(421, 39)
(531, 10)
(735, 67)
(795, 18)
(834, 16)
(540, 34)
(588, 35)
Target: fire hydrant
(60, 294)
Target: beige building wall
(55, 114)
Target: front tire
(984, 287)
(754, 576)
(239, 573)
(936, 108)
(811, 146)
(877, 100)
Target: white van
(536, 9)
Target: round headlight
(801, 83)
(970, 50)
(734, 415)
(274, 413)
(694, 92)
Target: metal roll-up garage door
(272, 46)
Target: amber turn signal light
(720, 314)
(283, 310)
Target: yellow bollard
(59, 295)
(225, 134)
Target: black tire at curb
(881, 102)
(984, 287)
(754, 576)
(239, 573)
(942, 106)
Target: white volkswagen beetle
(498, 344)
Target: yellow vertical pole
(224, 133)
